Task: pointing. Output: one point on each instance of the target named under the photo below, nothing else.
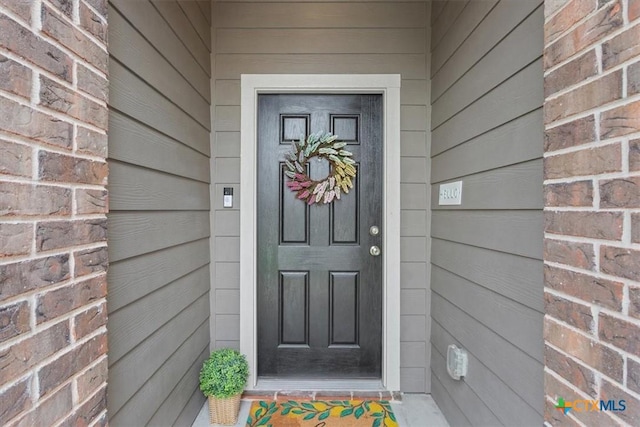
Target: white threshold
(319, 384)
(388, 85)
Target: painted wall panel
(319, 15)
(486, 253)
(159, 222)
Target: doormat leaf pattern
(322, 413)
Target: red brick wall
(592, 208)
(53, 201)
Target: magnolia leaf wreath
(341, 172)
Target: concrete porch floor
(415, 410)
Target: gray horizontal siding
(486, 275)
(159, 277)
(410, 66)
(339, 38)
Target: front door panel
(319, 288)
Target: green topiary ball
(224, 374)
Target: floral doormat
(321, 413)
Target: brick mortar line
(625, 80)
(578, 239)
(35, 88)
(36, 68)
(39, 327)
(594, 112)
(580, 178)
(603, 108)
(622, 352)
(581, 363)
(16, 18)
(75, 13)
(625, 12)
(74, 280)
(598, 51)
(581, 393)
(53, 149)
(36, 15)
(98, 418)
(596, 195)
(24, 219)
(31, 296)
(626, 161)
(35, 162)
(546, 18)
(51, 393)
(629, 283)
(94, 10)
(598, 42)
(626, 284)
(597, 249)
(626, 299)
(558, 377)
(591, 209)
(74, 345)
(77, 376)
(53, 113)
(33, 370)
(589, 273)
(74, 204)
(588, 80)
(74, 87)
(620, 316)
(625, 373)
(37, 219)
(40, 401)
(577, 300)
(40, 34)
(70, 86)
(594, 327)
(57, 184)
(28, 142)
(92, 365)
(76, 154)
(52, 252)
(626, 228)
(76, 25)
(74, 77)
(36, 403)
(8, 385)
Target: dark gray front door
(319, 288)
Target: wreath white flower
(342, 170)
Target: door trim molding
(389, 86)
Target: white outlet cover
(450, 193)
(457, 362)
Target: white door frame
(389, 86)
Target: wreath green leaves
(342, 170)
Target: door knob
(374, 250)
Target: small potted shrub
(222, 379)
